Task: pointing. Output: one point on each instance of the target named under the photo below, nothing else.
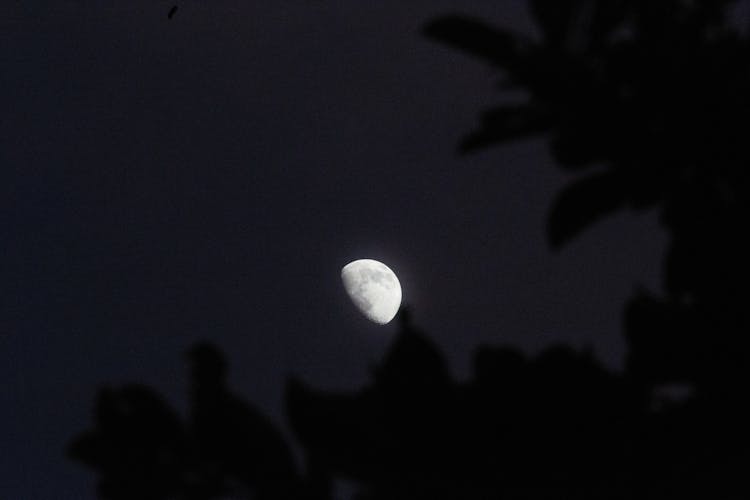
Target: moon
(373, 288)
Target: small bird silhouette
(171, 12)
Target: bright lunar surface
(373, 288)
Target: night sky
(207, 176)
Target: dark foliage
(554, 426)
(650, 98)
(142, 449)
(649, 101)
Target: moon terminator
(373, 288)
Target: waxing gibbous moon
(373, 288)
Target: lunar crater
(373, 288)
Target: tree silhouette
(142, 449)
(650, 98)
(648, 101)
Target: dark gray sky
(207, 177)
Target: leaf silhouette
(581, 23)
(499, 47)
(506, 123)
(584, 202)
(555, 17)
